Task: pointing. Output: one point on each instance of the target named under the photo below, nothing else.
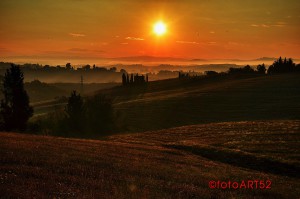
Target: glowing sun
(159, 28)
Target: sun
(159, 28)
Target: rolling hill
(170, 163)
(177, 102)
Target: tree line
(134, 79)
(279, 66)
(283, 66)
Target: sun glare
(159, 28)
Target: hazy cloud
(77, 35)
(278, 24)
(124, 43)
(187, 42)
(260, 25)
(134, 38)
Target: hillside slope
(178, 102)
(171, 163)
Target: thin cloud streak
(134, 38)
(187, 42)
(278, 24)
(77, 35)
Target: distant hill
(266, 59)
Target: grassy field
(171, 163)
(178, 102)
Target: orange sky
(86, 31)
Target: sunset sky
(89, 30)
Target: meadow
(170, 163)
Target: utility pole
(81, 84)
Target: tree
(247, 69)
(68, 66)
(113, 69)
(75, 112)
(100, 115)
(131, 78)
(127, 79)
(282, 66)
(261, 69)
(123, 71)
(15, 108)
(87, 67)
(297, 68)
(211, 73)
(124, 80)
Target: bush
(99, 115)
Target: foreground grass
(171, 163)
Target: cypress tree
(15, 108)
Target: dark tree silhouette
(68, 66)
(86, 67)
(261, 69)
(100, 115)
(211, 73)
(75, 112)
(248, 69)
(131, 79)
(127, 79)
(113, 69)
(123, 71)
(297, 68)
(245, 70)
(15, 108)
(282, 66)
(124, 80)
